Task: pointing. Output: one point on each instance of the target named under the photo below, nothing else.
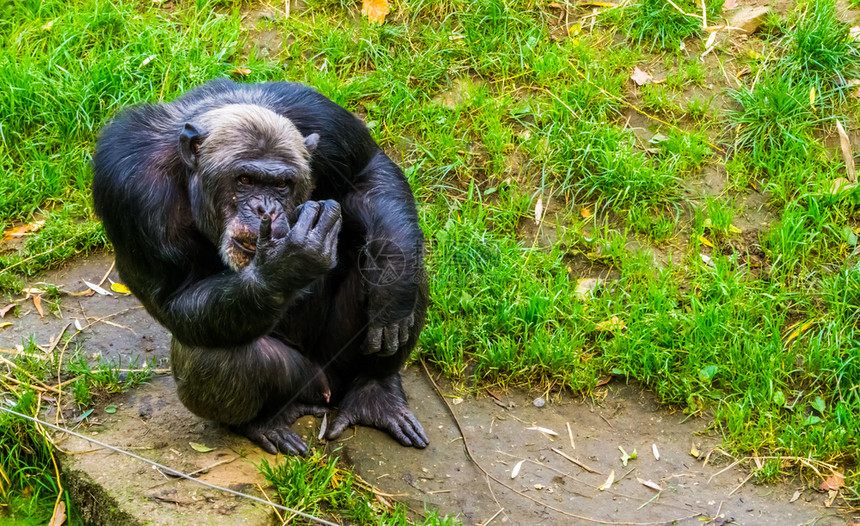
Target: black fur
(326, 306)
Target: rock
(539, 402)
(750, 18)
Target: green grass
(660, 25)
(317, 486)
(490, 106)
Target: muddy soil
(549, 488)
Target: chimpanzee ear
(311, 142)
(189, 144)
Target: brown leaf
(240, 72)
(59, 517)
(37, 302)
(640, 77)
(375, 10)
(604, 381)
(22, 230)
(5, 310)
(847, 155)
(833, 483)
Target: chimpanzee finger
(307, 218)
(338, 425)
(329, 215)
(390, 338)
(289, 441)
(405, 325)
(265, 228)
(263, 441)
(330, 241)
(413, 429)
(373, 341)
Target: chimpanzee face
(249, 163)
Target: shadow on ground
(549, 489)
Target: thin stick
(112, 263)
(578, 463)
(34, 256)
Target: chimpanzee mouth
(248, 247)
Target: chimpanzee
(267, 231)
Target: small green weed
(316, 485)
(656, 24)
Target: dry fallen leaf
(795, 496)
(703, 240)
(200, 447)
(847, 155)
(833, 483)
(22, 230)
(516, 470)
(730, 4)
(240, 72)
(543, 430)
(840, 184)
(5, 310)
(59, 514)
(375, 10)
(694, 451)
(5, 324)
(654, 450)
(37, 302)
(538, 211)
(640, 77)
(650, 484)
(323, 427)
(608, 484)
(97, 289)
(120, 288)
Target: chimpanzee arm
(233, 308)
(383, 209)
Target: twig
(112, 263)
(493, 517)
(34, 256)
(742, 484)
(578, 463)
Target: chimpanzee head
(245, 163)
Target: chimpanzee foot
(276, 434)
(380, 404)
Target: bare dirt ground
(549, 488)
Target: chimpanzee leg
(371, 392)
(259, 389)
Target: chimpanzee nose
(265, 207)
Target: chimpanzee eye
(245, 179)
(281, 184)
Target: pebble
(539, 402)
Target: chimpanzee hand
(386, 339)
(308, 249)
